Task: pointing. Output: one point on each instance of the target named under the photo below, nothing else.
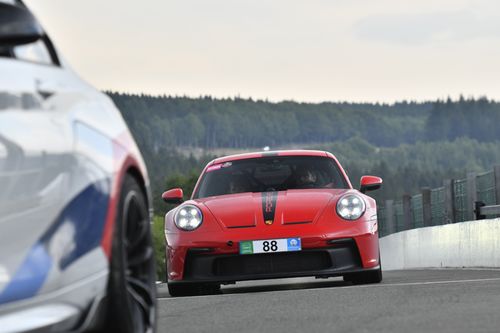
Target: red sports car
(271, 215)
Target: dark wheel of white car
(192, 289)
(132, 283)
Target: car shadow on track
(248, 287)
(282, 286)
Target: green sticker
(246, 247)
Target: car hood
(283, 207)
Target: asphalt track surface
(437, 300)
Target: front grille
(234, 267)
(272, 263)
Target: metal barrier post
(471, 195)
(496, 171)
(477, 210)
(426, 206)
(389, 217)
(407, 218)
(449, 201)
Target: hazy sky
(308, 50)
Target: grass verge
(159, 247)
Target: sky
(307, 50)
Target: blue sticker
(294, 244)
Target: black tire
(192, 289)
(132, 280)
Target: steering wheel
(260, 184)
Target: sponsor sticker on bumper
(270, 245)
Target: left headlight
(351, 207)
(188, 217)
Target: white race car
(75, 242)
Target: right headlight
(351, 207)
(188, 217)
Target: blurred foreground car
(271, 215)
(75, 243)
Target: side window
(35, 52)
(21, 27)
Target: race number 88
(273, 247)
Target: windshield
(271, 174)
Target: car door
(40, 172)
(35, 160)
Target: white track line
(448, 269)
(422, 283)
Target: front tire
(132, 280)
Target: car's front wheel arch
(131, 299)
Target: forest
(409, 144)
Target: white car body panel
(58, 139)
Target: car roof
(270, 154)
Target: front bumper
(47, 318)
(339, 257)
(72, 308)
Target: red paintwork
(226, 216)
(175, 193)
(126, 155)
(370, 180)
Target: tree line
(206, 122)
(409, 144)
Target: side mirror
(18, 26)
(370, 183)
(173, 196)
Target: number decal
(273, 247)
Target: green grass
(159, 246)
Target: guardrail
(473, 198)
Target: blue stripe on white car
(77, 231)
(30, 276)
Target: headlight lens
(188, 217)
(351, 207)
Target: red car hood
(284, 207)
